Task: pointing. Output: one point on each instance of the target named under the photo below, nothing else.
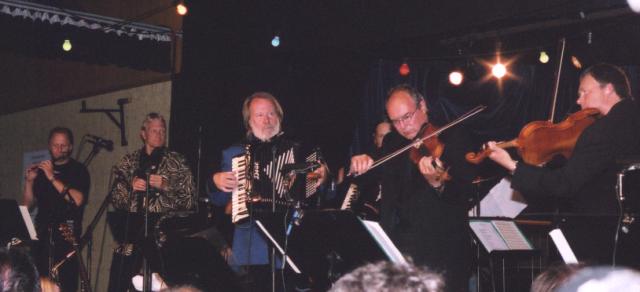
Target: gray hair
(387, 276)
(153, 116)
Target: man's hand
(432, 170)
(360, 164)
(320, 175)
(501, 156)
(47, 168)
(225, 181)
(158, 182)
(31, 173)
(139, 184)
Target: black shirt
(52, 207)
(428, 225)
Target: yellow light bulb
(66, 45)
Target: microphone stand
(87, 237)
(146, 269)
(273, 211)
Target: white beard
(267, 133)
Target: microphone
(100, 142)
(300, 167)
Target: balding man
(424, 214)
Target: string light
(66, 45)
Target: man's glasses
(405, 118)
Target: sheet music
(511, 235)
(501, 201)
(24, 211)
(563, 246)
(488, 235)
(383, 240)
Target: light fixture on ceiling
(544, 57)
(275, 41)
(404, 69)
(498, 70)
(182, 9)
(456, 77)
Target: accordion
(263, 186)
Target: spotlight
(404, 69)
(182, 9)
(275, 42)
(66, 45)
(544, 58)
(498, 70)
(576, 62)
(456, 77)
(635, 5)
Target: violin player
(424, 200)
(588, 179)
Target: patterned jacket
(181, 193)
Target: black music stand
(325, 244)
(509, 263)
(11, 223)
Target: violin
(539, 141)
(428, 138)
(429, 147)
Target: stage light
(544, 58)
(635, 5)
(576, 62)
(404, 69)
(498, 70)
(275, 42)
(456, 78)
(66, 45)
(182, 9)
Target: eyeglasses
(405, 118)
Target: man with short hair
(588, 179)
(424, 213)
(169, 177)
(165, 175)
(59, 188)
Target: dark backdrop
(333, 97)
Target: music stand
(325, 244)
(506, 245)
(11, 223)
